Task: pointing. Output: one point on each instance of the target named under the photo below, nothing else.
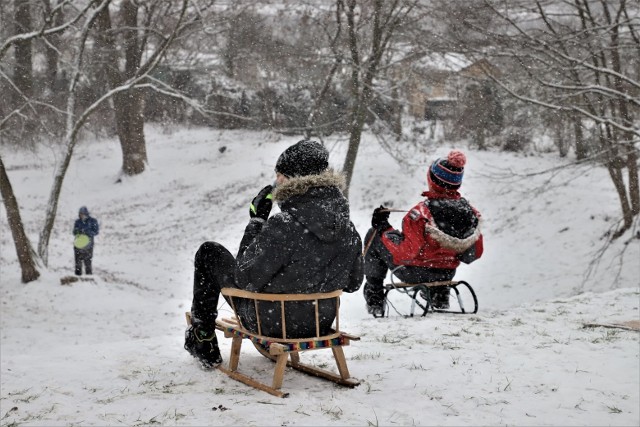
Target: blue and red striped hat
(447, 173)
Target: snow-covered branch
(44, 31)
(558, 107)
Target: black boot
(374, 296)
(203, 346)
(440, 298)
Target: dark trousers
(214, 269)
(378, 261)
(83, 256)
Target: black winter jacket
(310, 246)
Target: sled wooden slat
(427, 284)
(234, 292)
(285, 352)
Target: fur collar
(301, 184)
(453, 243)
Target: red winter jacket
(438, 239)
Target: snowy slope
(110, 352)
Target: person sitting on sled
(437, 234)
(310, 246)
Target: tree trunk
(52, 48)
(396, 112)
(616, 176)
(355, 135)
(581, 144)
(561, 142)
(23, 247)
(23, 70)
(634, 185)
(361, 89)
(54, 195)
(129, 105)
(129, 109)
(355, 131)
(478, 139)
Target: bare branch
(18, 38)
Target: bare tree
(370, 29)
(25, 110)
(581, 53)
(143, 29)
(577, 57)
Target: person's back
(311, 246)
(437, 234)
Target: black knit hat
(303, 158)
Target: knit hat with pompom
(446, 174)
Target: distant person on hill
(310, 246)
(437, 234)
(84, 229)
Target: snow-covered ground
(110, 352)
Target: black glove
(261, 204)
(380, 219)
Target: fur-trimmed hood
(453, 243)
(301, 184)
(316, 202)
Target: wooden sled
(68, 280)
(280, 350)
(420, 295)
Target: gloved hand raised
(380, 219)
(261, 204)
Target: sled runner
(629, 325)
(420, 295)
(280, 350)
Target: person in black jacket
(310, 246)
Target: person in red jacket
(437, 234)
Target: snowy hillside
(109, 352)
